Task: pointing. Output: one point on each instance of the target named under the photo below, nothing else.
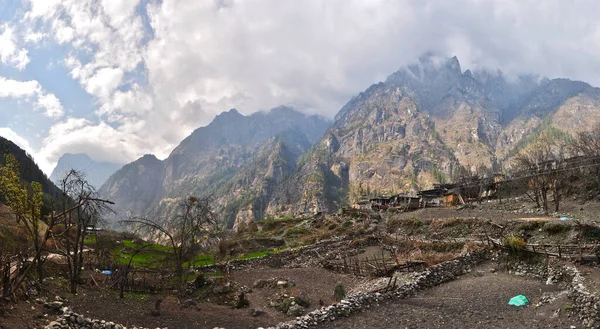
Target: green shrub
(515, 243)
(339, 292)
(347, 224)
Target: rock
(256, 312)
(261, 283)
(240, 300)
(222, 289)
(285, 284)
(188, 303)
(296, 310)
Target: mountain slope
(214, 160)
(29, 170)
(96, 172)
(425, 124)
(422, 124)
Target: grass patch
(556, 228)
(532, 225)
(406, 223)
(90, 239)
(258, 254)
(515, 244)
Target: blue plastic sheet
(107, 272)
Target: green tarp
(519, 300)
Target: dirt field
(316, 283)
(468, 302)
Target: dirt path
(468, 302)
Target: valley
(435, 193)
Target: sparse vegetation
(514, 243)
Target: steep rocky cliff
(423, 125)
(236, 159)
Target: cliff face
(415, 129)
(423, 123)
(236, 159)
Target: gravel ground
(468, 302)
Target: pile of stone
(358, 302)
(68, 319)
(586, 303)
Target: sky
(118, 79)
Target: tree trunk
(6, 288)
(556, 195)
(545, 200)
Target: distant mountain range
(418, 127)
(96, 172)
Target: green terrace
(148, 255)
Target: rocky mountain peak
(96, 171)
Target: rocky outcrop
(425, 124)
(237, 159)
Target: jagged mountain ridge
(416, 128)
(97, 172)
(232, 151)
(422, 123)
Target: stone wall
(585, 303)
(355, 303)
(72, 320)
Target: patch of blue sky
(8, 9)
(47, 67)
(143, 14)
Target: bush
(339, 292)
(531, 225)
(515, 243)
(590, 232)
(555, 228)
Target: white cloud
(30, 91)
(199, 58)
(104, 82)
(12, 136)
(14, 88)
(51, 105)
(100, 141)
(10, 54)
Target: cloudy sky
(121, 78)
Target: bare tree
(187, 234)
(542, 164)
(77, 191)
